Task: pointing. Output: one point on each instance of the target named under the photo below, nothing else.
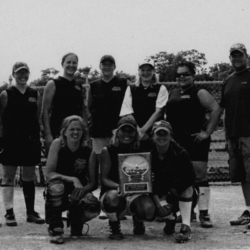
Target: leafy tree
(47, 74)
(166, 63)
(131, 78)
(220, 70)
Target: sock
(8, 194)
(9, 211)
(204, 198)
(185, 209)
(29, 195)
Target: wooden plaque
(135, 173)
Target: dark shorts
(21, 152)
(239, 159)
(197, 151)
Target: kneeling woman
(71, 177)
(173, 181)
(141, 207)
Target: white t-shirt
(127, 108)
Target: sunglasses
(184, 74)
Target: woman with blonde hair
(145, 102)
(71, 177)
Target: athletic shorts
(239, 159)
(99, 143)
(21, 152)
(197, 151)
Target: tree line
(165, 67)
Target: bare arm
(208, 102)
(105, 170)
(93, 173)
(52, 164)
(48, 95)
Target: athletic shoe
(205, 221)
(184, 235)
(115, 230)
(35, 218)
(193, 217)
(242, 220)
(56, 235)
(169, 227)
(10, 220)
(139, 228)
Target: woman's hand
(76, 183)
(203, 135)
(163, 211)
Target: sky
(40, 32)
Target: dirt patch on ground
(226, 203)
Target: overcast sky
(40, 32)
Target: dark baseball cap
(162, 125)
(127, 121)
(18, 66)
(108, 58)
(238, 47)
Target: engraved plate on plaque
(135, 173)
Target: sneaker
(242, 220)
(139, 228)
(10, 220)
(115, 230)
(193, 217)
(205, 221)
(169, 227)
(56, 235)
(184, 235)
(35, 218)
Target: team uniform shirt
(21, 130)
(74, 164)
(141, 102)
(106, 104)
(236, 101)
(187, 117)
(67, 101)
(175, 171)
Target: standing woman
(20, 109)
(186, 111)
(71, 177)
(62, 97)
(145, 102)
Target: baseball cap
(127, 121)
(147, 62)
(18, 66)
(109, 58)
(162, 125)
(238, 47)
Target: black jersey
(74, 163)
(185, 112)
(67, 101)
(21, 130)
(107, 98)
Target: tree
(220, 70)
(47, 74)
(166, 63)
(131, 78)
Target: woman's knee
(111, 201)
(144, 208)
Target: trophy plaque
(135, 173)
